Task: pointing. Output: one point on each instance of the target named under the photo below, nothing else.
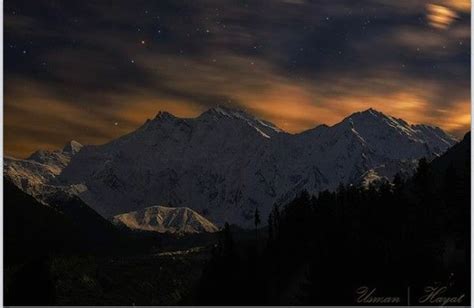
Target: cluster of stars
(214, 21)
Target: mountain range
(225, 163)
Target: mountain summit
(225, 162)
(396, 136)
(222, 113)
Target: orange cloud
(440, 16)
(459, 5)
(456, 119)
(290, 107)
(37, 117)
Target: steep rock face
(225, 162)
(166, 219)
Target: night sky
(94, 70)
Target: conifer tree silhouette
(257, 222)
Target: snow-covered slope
(225, 162)
(166, 219)
(40, 169)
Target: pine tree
(257, 222)
(270, 228)
(228, 241)
(276, 219)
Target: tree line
(321, 249)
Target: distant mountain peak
(72, 147)
(368, 113)
(164, 115)
(224, 111)
(374, 120)
(265, 128)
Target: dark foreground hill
(65, 253)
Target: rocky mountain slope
(165, 219)
(225, 163)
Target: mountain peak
(266, 129)
(224, 111)
(164, 115)
(374, 116)
(371, 112)
(72, 147)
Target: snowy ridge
(266, 129)
(40, 169)
(166, 219)
(225, 163)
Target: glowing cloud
(440, 16)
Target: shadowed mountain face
(32, 228)
(66, 224)
(225, 163)
(458, 158)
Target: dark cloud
(75, 69)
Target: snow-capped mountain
(225, 163)
(40, 169)
(165, 219)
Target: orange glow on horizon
(291, 107)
